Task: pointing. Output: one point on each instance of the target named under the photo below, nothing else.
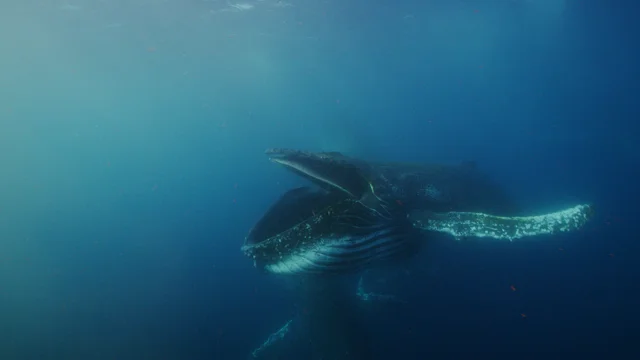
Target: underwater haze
(132, 139)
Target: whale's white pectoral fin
(272, 339)
(469, 224)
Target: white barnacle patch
(467, 224)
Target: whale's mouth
(331, 171)
(294, 207)
(341, 237)
(341, 227)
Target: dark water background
(131, 161)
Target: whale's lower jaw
(346, 254)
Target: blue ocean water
(132, 138)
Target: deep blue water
(132, 138)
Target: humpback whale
(363, 214)
(367, 213)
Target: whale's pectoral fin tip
(589, 211)
(274, 338)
